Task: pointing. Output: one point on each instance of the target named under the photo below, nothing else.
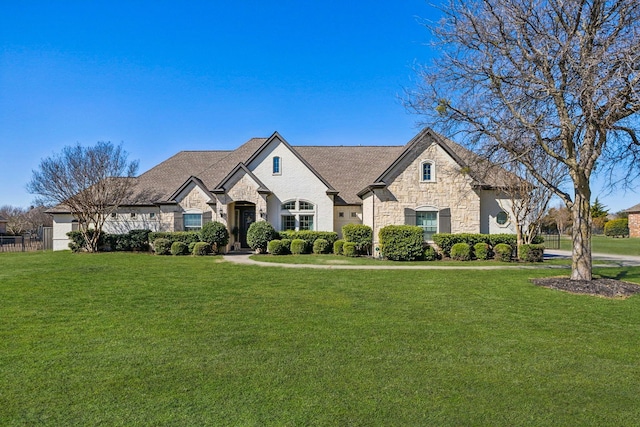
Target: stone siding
(451, 189)
(634, 224)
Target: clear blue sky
(160, 77)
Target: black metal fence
(43, 240)
(551, 241)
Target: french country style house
(431, 182)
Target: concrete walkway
(617, 260)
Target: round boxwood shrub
(162, 246)
(320, 246)
(531, 253)
(461, 252)
(276, 247)
(617, 228)
(260, 234)
(298, 246)
(481, 250)
(286, 245)
(201, 249)
(503, 252)
(349, 249)
(179, 248)
(430, 254)
(216, 234)
(337, 247)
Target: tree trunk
(581, 256)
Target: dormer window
(276, 165)
(427, 171)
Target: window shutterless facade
(297, 215)
(276, 165)
(192, 221)
(427, 171)
(288, 222)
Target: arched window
(276, 165)
(427, 171)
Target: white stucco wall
(492, 203)
(347, 217)
(144, 218)
(62, 224)
(295, 182)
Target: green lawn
(132, 339)
(608, 245)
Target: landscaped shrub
(617, 228)
(216, 234)
(175, 236)
(134, 240)
(430, 254)
(275, 247)
(445, 241)
(507, 239)
(139, 240)
(179, 248)
(286, 245)
(349, 249)
(337, 247)
(320, 246)
(201, 249)
(361, 235)
(191, 246)
(481, 251)
(259, 235)
(310, 236)
(77, 243)
(461, 252)
(531, 253)
(401, 242)
(162, 246)
(503, 252)
(298, 246)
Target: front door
(247, 217)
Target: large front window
(288, 222)
(429, 223)
(297, 215)
(306, 222)
(192, 221)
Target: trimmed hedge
(320, 246)
(446, 240)
(286, 244)
(162, 246)
(259, 235)
(430, 254)
(179, 248)
(310, 237)
(401, 242)
(77, 243)
(503, 252)
(360, 234)
(617, 228)
(482, 251)
(201, 249)
(461, 252)
(216, 234)
(298, 246)
(175, 236)
(337, 247)
(275, 247)
(531, 253)
(349, 249)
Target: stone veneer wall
(451, 189)
(634, 224)
(245, 190)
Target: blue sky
(160, 77)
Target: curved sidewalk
(618, 260)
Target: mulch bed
(607, 288)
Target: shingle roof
(635, 208)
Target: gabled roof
(192, 180)
(222, 186)
(633, 209)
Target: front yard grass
(135, 339)
(608, 245)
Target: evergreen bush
(201, 249)
(275, 247)
(531, 253)
(259, 235)
(503, 252)
(349, 249)
(617, 228)
(162, 246)
(298, 246)
(310, 236)
(320, 246)
(337, 247)
(216, 234)
(401, 242)
(361, 235)
(461, 252)
(286, 245)
(430, 254)
(179, 248)
(481, 251)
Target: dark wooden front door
(247, 217)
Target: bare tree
(17, 221)
(91, 182)
(563, 73)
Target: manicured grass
(132, 339)
(329, 259)
(608, 245)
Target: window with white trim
(297, 215)
(192, 221)
(288, 222)
(276, 166)
(427, 171)
(306, 222)
(428, 221)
